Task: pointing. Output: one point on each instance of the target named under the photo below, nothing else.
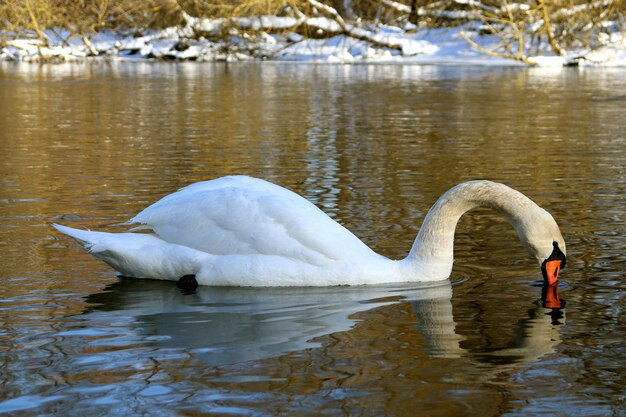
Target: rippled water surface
(373, 146)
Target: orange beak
(551, 271)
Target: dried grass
(33, 17)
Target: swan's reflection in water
(231, 325)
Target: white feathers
(139, 255)
(247, 216)
(245, 231)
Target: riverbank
(270, 38)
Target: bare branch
(547, 24)
(35, 23)
(329, 10)
(93, 51)
(518, 57)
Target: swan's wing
(242, 215)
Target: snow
(548, 61)
(324, 24)
(612, 54)
(203, 40)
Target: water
(89, 145)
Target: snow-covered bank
(249, 39)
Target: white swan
(243, 231)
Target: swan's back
(248, 216)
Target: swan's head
(542, 237)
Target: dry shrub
(235, 8)
(557, 25)
(86, 16)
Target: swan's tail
(138, 255)
(88, 240)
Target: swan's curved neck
(433, 250)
